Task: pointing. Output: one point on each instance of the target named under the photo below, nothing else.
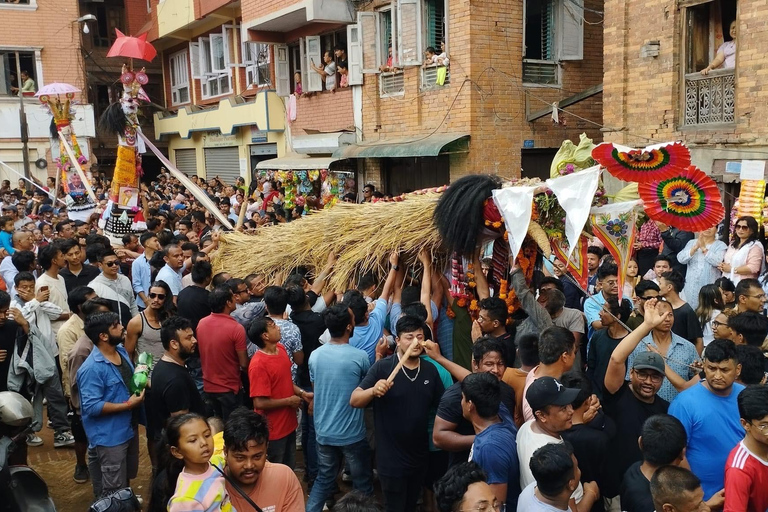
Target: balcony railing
(391, 84)
(709, 99)
(429, 78)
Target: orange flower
(473, 306)
(470, 275)
(487, 223)
(472, 284)
(450, 313)
(506, 236)
(462, 303)
(496, 225)
(502, 296)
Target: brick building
(655, 91)
(47, 39)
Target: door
(409, 174)
(224, 163)
(536, 162)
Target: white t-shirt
(58, 295)
(528, 502)
(729, 50)
(528, 442)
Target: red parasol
(689, 201)
(656, 162)
(132, 47)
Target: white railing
(709, 99)
(429, 77)
(391, 84)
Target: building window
(256, 59)
(554, 32)
(108, 18)
(434, 22)
(391, 84)
(9, 82)
(210, 58)
(179, 67)
(21, 5)
(710, 98)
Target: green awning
(431, 145)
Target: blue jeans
(309, 444)
(328, 464)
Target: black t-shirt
(636, 491)
(311, 326)
(86, 275)
(629, 414)
(173, 390)
(401, 417)
(686, 323)
(590, 446)
(450, 410)
(8, 332)
(192, 304)
(510, 350)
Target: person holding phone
(327, 71)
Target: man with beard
(272, 486)
(630, 402)
(173, 390)
(401, 409)
(110, 412)
(709, 412)
(608, 275)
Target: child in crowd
(200, 486)
(631, 280)
(6, 225)
(344, 72)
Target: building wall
(253, 9)
(643, 95)
(324, 111)
(486, 97)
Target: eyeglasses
(716, 324)
(486, 507)
(741, 226)
(113, 263)
(244, 290)
(761, 296)
(654, 377)
(761, 427)
(160, 296)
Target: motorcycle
(21, 488)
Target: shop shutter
(186, 161)
(224, 163)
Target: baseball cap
(46, 208)
(649, 361)
(77, 223)
(546, 391)
(9, 207)
(180, 207)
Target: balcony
(709, 99)
(39, 120)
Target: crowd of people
(648, 399)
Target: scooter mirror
(15, 410)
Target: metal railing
(709, 99)
(429, 77)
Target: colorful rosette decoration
(689, 200)
(657, 162)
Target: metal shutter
(186, 161)
(224, 163)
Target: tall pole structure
(23, 124)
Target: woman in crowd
(630, 280)
(744, 258)
(710, 306)
(703, 256)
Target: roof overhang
(303, 13)
(295, 161)
(430, 145)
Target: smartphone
(43, 288)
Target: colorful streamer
(616, 226)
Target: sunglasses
(160, 296)
(111, 263)
(741, 226)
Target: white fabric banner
(575, 193)
(515, 205)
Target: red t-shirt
(270, 377)
(219, 337)
(746, 481)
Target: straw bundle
(361, 235)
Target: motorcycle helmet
(15, 410)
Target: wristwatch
(395, 268)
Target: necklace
(418, 369)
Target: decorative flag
(615, 226)
(575, 192)
(515, 205)
(656, 162)
(575, 258)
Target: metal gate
(186, 161)
(224, 163)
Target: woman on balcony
(726, 54)
(744, 258)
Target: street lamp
(84, 20)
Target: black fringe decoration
(112, 119)
(459, 212)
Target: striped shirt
(200, 493)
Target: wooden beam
(596, 89)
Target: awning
(322, 143)
(431, 145)
(294, 161)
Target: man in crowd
(746, 470)
(661, 264)
(748, 328)
(686, 324)
(115, 287)
(556, 478)
(336, 369)
(65, 229)
(22, 242)
(402, 450)
(557, 352)
(593, 261)
(272, 486)
(171, 271)
(192, 302)
(453, 432)
(245, 311)
(494, 448)
(608, 275)
(76, 273)
(676, 489)
(463, 487)
(141, 272)
(272, 389)
(662, 442)
(749, 296)
(52, 260)
(710, 414)
(110, 412)
(553, 300)
(276, 301)
(221, 342)
(644, 291)
(492, 319)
